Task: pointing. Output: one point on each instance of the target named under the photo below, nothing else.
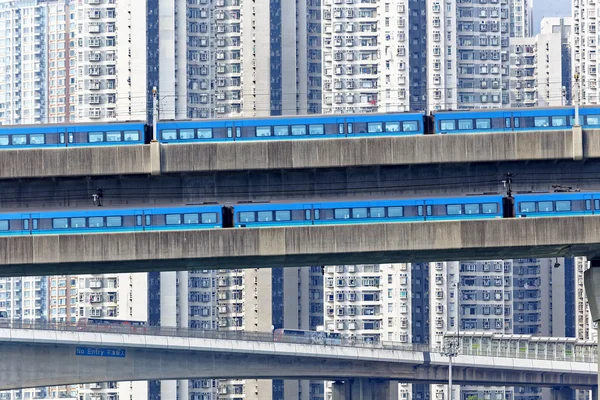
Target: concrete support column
(367, 389)
(563, 393)
(594, 393)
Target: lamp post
(451, 347)
(591, 282)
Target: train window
(204, 133)
(281, 130)
(316, 130)
(559, 121)
(131, 136)
(238, 132)
(186, 134)
(350, 127)
(341, 213)
(527, 206)
(98, 222)
(113, 136)
(563, 205)
(541, 122)
(317, 214)
(78, 223)
(377, 212)
(71, 137)
(341, 129)
(429, 210)
(419, 211)
(263, 131)
(4, 225)
(374, 127)
(168, 134)
(545, 206)
(465, 124)
(395, 212)
(507, 122)
(25, 224)
(114, 221)
(593, 120)
(283, 215)
(298, 130)
(191, 218)
(392, 126)
(517, 122)
(265, 216)
(60, 223)
(19, 139)
(485, 123)
(173, 219)
(61, 138)
(148, 220)
(410, 126)
(472, 209)
(37, 139)
(307, 214)
(138, 220)
(95, 137)
(454, 209)
(34, 224)
(359, 212)
(247, 216)
(489, 208)
(3, 140)
(209, 218)
(229, 132)
(447, 125)
(596, 204)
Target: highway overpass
(44, 357)
(299, 154)
(300, 246)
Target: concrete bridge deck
(299, 154)
(42, 357)
(300, 246)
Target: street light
(451, 346)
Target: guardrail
(311, 338)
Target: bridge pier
(563, 393)
(594, 393)
(366, 389)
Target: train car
(513, 120)
(366, 211)
(557, 204)
(290, 128)
(105, 219)
(72, 135)
(299, 336)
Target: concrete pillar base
(563, 393)
(155, 167)
(366, 389)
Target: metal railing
(312, 338)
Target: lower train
(273, 214)
(296, 127)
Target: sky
(549, 8)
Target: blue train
(256, 215)
(296, 127)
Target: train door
(26, 224)
(590, 204)
(234, 131)
(350, 126)
(139, 220)
(508, 122)
(308, 215)
(70, 137)
(516, 121)
(340, 126)
(425, 210)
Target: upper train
(257, 215)
(296, 127)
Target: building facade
(564, 27)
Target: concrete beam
(34, 365)
(299, 154)
(299, 246)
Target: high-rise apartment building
(585, 48)
(564, 27)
